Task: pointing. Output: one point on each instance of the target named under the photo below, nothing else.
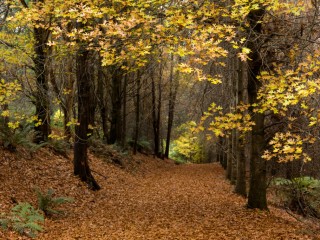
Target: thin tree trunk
(172, 100)
(154, 117)
(224, 153)
(116, 118)
(230, 88)
(234, 131)
(219, 150)
(229, 158)
(124, 113)
(234, 159)
(41, 95)
(137, 125)
(158, 122)
(241, 161)
(102, 102)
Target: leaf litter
(145, 198)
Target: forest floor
(145, 198)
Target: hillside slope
(146, 198)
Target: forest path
(171, 202)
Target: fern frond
(61, 200)
(33, 227)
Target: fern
(21, 136)
(47, 203)
(59, 146)
(4, 223)
(24, 219)
(300, 194)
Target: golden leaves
(287, 147)
(188, 143)
(283, 88)
(242, 8)
(8, 91)
(221, 123)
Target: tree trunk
(124, 113)
(224, 155)
(219, 150)
(102, 102)
(137, 125)
(172, 100)
(234, 156)
(229, 158)
(257, 193)
(156, 113)
(116, 118)
(41, 100)
(158, 122)
(234, 103)
(85, 116)
(240, 153)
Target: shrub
(23, 219)
(301, 195)
(23, 136)
(59, 146)
(143, 145)
(47, 203)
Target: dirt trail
(177, 202)
(152, 199)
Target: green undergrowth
(301, 195)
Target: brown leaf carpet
(147, 199)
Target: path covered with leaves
(147, 199)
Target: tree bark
(234, 103)
(85, 116)
(229, 157)
(124, 113)
(137, 125)
(158, 122)
(102, 102)
(156, 113)
(116, 118)
(173, 85)
(257, 193)
(41, 99)
(240, 153)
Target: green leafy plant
(23, 219)
(48, 204)
(301, 194)
(143, 145)
(21, 136)
(59, 146)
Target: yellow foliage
(188, 143)
(222, 123)
(287, 147)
